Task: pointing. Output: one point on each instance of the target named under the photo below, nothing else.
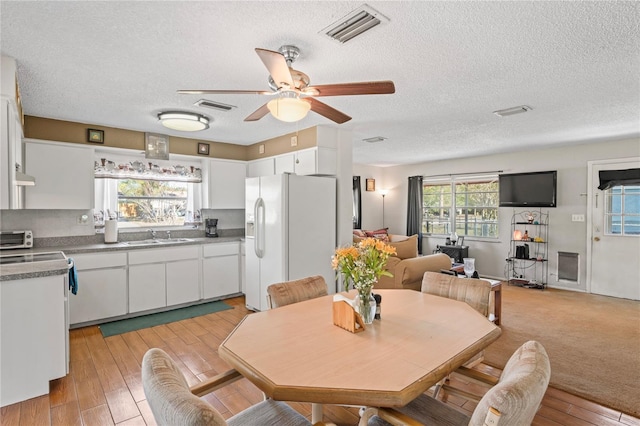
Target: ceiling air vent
(355, 23)
(512, 111)
(374, 139)
(214, 105)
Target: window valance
(611, 178)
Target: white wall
(372, 200)
(564, 235)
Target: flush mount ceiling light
(288, 108)
(183, 121)
(512, 111)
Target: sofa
(407, 267)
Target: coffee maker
(211, 227)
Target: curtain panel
(414, 209)
(357, 203)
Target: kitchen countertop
(40, 269)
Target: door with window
(613, 251)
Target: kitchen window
(464, 204)
(143, 194)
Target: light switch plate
(294, 141)
(577, 218)
(261, 149)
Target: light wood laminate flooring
(104, 385)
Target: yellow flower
(362, 263)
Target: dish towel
(73, 277)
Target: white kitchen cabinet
(11, 195)
(307, 162)
(64, 176)
(285, 163)
(34, 336)
(226, 184)
(183, 282)
(147, 287)
(163, 277)
(102, 282)
(262, 167)
(220, 269)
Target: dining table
(296, 353)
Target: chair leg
(365, 414)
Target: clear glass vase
(365, 305)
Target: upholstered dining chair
(295, 291)
(513, 400)
(173, 403)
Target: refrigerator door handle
(258, 212)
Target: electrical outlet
(261, 149)
(294, 141)
(577, 218)
(83, 220)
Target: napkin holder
(344, 316)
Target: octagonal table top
(296, 353)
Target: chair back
(168, 394)
(289, 292)
(518, 394)
(472, 291)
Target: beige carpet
(593, 342)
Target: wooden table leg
(497, 293)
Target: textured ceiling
(577, 64)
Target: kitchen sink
(158, 242)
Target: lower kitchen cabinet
(147, 287)
(183, 282)
(35, 336)
(102, 288)
(163, 277)
(220, 269)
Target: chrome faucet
(153, 233)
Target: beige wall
(72, 132)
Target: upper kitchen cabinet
(11, 177)
(313, 161)
(64, 175)
(226, 184)
(263, 167)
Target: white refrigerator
(290, 232)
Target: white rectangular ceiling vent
(355, 23)
(214, 105)
(374, 139)
(512, 111)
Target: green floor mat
(132, 324)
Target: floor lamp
(383, 192)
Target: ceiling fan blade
(258, 114)
(277, 66)
(363, 88)
(327, 111)
(225, 92)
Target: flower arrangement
(362, 263)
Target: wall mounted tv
(536, 189)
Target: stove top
(31, 257)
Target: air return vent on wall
(214, 105)
(355, 23)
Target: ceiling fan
(294, 96)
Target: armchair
(513, 400)
(289, 292)
(407, 267)
(173, 403)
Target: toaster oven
(16, 240)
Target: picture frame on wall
(203, 148)
(371, 184)
(156, 146)
(95, 136)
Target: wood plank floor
(104, 385)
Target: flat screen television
(536, 189)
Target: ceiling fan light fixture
(183, 121)
(288, 109)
